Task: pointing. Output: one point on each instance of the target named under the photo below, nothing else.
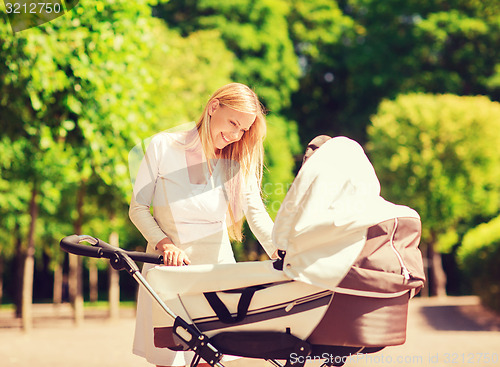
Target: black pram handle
(99, 248)
(120, 259)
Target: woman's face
(227, 125)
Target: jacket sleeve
(142, 196)
(257, 216)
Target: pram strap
(221, 310)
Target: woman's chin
(220, 145)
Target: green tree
(77, 87)
(377, 50)
(187, 71)
(255, 31)
(479, 258)
(457, 49)
(14, 217)
(281, 145)
(435, 153)
(321, 33)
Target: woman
(198, 181)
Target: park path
(448, 332)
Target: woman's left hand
(172, 255)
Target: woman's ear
(212, 107)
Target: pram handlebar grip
(71, 244)
(99, 248)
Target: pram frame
(189, 337)
(120, 259)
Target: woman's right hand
(172, 255)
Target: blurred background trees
(78, 93)
(370, 50)
(478, 258)
(434, 153)
(75, 96)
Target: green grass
(7, 307)
(100, 305)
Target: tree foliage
(73, 94)
(479, 257)
(187, 71)
(281, 145)
(255, 31)
(377, 50)
(437, 153)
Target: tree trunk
(437, 276)
(252, 250)
(1, 279)
(58, 285)
(75, 265)
(29, 267)
(19, 260)
(93, 280)
(114, 282)
(75, 288)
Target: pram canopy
(323, 220)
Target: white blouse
(190, 214)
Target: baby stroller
(348, 265)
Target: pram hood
(323, 220)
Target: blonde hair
(244, 158)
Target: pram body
(254, 310)
(349, 263)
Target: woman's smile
(224, 138)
